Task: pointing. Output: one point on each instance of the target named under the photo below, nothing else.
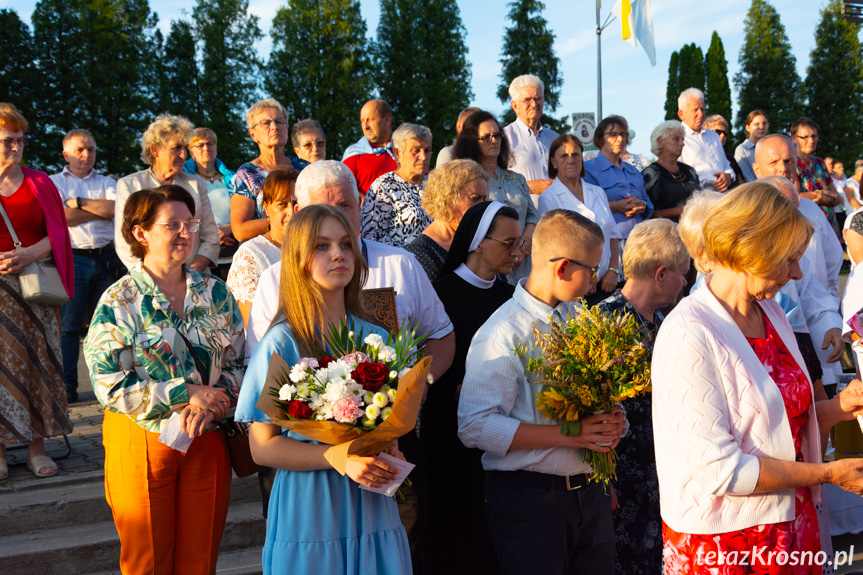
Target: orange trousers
(169, 508)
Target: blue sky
(631, 87)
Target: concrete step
(243, 562)
(95, 547)
(75, 501)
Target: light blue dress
(319, 521)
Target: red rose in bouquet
(325, 361)
(372, 375)
(299, 410)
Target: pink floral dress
(690, 554)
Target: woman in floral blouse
(392, 211)
(483, 141)
(165, 340)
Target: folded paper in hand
(173, 435)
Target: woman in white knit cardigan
(735, 422)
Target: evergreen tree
(121, 57)
(179, 93)
(768, 77)
(528, 48)
(319, 66)
(430, 83)
(17, 72)
(229, 71)
(59, 96)
(691, 68)
(833, 83)
(672, 87)
(718, 94)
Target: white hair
(523, 81)
(407, 132)
(662, 132)
(162, 129)
(258, 107)
(689, 94)
(320, 175)
(781, 183)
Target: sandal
(39, 462)
(4, 469)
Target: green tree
(768, 77)
(672, 87)
(319, 66)
(59, 95)
(179, 93)
(833, 83)
(691, 68)
(717, 98)
(17, 73)
(528, 48)
(229, 72)
(430, 83)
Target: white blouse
(250, 261)
(595, 208)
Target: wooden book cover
(380, 304)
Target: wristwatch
(78, 203)
(615, 270)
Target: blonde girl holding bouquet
(319, 522)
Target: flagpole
(598, 64)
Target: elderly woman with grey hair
(669, 182)
(163, 148)
(307, 137)
(392, 212)
(267, 121)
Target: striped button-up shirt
(498, 394)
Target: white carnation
(335, 390)
(372, 412)
(374, 340)
(338, 370)
(380, 400)
(298, 373)
(322, 374)
(386, 412)
(386, 353)
(286, 392)
(353, 388)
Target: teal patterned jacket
(134, 315)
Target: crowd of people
(729, 263)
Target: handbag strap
(15, 239)
(205, 374)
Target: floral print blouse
(249, 182)
(392, 212)
(138, 361)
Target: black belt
(94, 251)
(545, 480)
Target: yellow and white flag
(636, 22)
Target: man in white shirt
(702, 150)
(536, 476)
(852, 189)
(776, 155)
(527, 138)
(89, 199)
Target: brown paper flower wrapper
(346, 440)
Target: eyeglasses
(20, 142)
(809, 137)
(721, 132)
(317, 144)
(593, 271)
(517, 243)
(176, 226)
(266, 124)
(615, 135)
(527, 101)
(491, 136)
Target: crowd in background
(513, 224)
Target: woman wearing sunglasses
(165, 340)
(569, 191)
(482, 140)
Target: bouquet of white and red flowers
(360, 394)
